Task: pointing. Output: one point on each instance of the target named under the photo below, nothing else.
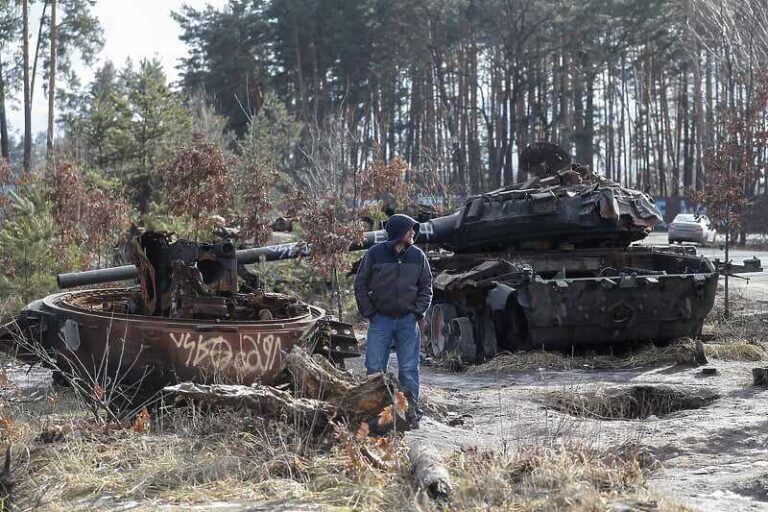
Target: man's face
(408, 237)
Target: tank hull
(487, 303)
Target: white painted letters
(246, 354)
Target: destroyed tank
(195, 316)
(548, 263)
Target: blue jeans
(405, 333)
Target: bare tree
(27, 95)
(52, 83)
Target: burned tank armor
(191, 318)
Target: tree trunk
(37, 54)
(589, 120)
(27, 99)
(52, 84)
(266, 400)
(475, 163)
(4, 143)
(698, 108)
(321, 392)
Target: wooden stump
(428, 473)
(700, 357)
(315, 377)
(760, 376)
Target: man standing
(393, 289)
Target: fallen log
(265, 400)
(320, 389)
(315, 377)
(428, 473)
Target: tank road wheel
(463, 332)
(439, 327)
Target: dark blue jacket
(390, 283)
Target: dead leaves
(401, 403)
(327, 230)
(141, 424)
(363, 431)
(196, 181)
(8, 429)
(365, 451)
(382, 179)
(98, 392)
(387, 417)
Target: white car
(687, 227)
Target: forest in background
(331, 103)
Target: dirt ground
(714, 458)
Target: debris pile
(320, 394)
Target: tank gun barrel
(427, 234)
(298, 249)
(438, 230)
(102, 275)
(244, 257)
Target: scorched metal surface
(134, 347)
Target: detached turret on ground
(195, 315)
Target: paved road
(754, 289)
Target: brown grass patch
(188, 456)
(677, 352)
(736, 350)
(751, 328)
(570, 477)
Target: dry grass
(678, 352)
(681, 351)
(736, 350)
(570, 477)
(189, 457)
(751, 328)
(522, 361)
(192, 457)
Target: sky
(134, 29)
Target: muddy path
(713, 458)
